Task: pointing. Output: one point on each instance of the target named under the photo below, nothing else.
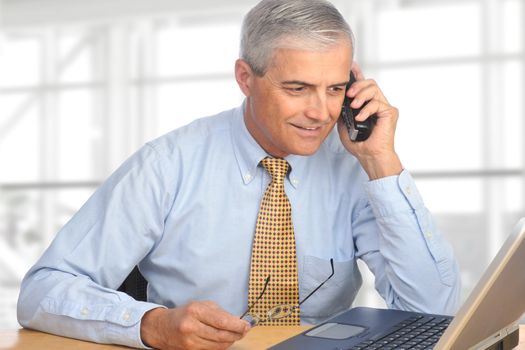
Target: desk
(259, 338)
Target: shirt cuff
(125, 324)
(393, 194)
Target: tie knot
(277, 167)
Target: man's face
(295, 105)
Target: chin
(302, 151)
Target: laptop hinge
(501, 340)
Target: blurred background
(83, 84)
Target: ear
(244, 76)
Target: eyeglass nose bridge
(275, 313)
(280, 311)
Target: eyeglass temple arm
(316, 289)
(259, 297)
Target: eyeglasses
(279, 311)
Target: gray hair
(298, 24)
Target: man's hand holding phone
(197, 325)
(377, 153)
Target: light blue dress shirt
(184, 209)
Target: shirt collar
(249, 154)
(298, 168)
(247, 151)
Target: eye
(296, 89)
(336, 90)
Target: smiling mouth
(310, 128)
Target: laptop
(487, 320)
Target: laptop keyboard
(417, 332)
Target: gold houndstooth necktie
(273, 251)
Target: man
(185, 207)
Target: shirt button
(248, 177)
(84, 311)
(126, 316)
(408, 190)
(429, 234)
(295, 181)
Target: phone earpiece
(357, 131)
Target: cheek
(335, 108)
(287, 107)
(280, 110)
(274, 104)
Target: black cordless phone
(358, 131)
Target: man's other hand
(197, 325)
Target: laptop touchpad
(335, 331)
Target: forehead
(332, 62)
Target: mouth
(308, 131)
(308, 128)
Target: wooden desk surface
(259, 338)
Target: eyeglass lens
(279, 311)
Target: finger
(357, 71)
(195, 325)
(211, 304)
(214, 305)
(361, 86)
(366, 90)
(218, 335)
(378, 108)
(216, 317)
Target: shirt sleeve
(71, 290)
(395, 234)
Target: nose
(318, 107)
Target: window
(455, 71)
(77, 97)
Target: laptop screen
(497, 301)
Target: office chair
(135, 285)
